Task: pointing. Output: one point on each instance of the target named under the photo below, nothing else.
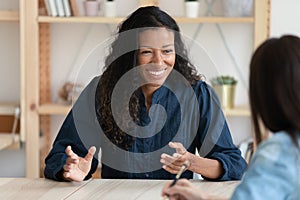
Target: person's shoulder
(201, 87)
(279, 139)
(278, 145)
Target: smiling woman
(149, 111)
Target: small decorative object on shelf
(148, 3)
(238, 8)
(224, 86)
(191, 8)
(69, 93)
(110, 8)
(91, 7)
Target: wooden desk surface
(104, 189)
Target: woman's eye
(167, 51)
(145, 52)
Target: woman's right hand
(183, 190)
(77, 168)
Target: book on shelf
(60, 8)
(74, 8)
(67, 8)
(51, 7)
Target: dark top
(192, 116)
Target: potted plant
(224, 86)
(191, 8)
(91, 7)
(110, 8)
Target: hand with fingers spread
(77, 168)
(173, 163)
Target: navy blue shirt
(194, 119)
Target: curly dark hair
(122, 58)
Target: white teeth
(157, 73)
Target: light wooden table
(104, 189)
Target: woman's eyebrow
(164, 46)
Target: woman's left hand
(173, 163)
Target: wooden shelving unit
(9, 16)
(8, 108)
(8, 139)
(54, 109)
(109, 20)
(59, 109)
(32, 106)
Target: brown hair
(274, 86)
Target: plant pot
(191, 9)
(237, 8)
(91, 8)
(226, 94)
(110, 9)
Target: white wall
(284, 17)
(9, 56)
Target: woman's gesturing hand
(77, 168)
(173, 163)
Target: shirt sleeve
(272, 174)
(57, 156)
(83, 113)
(214, 138)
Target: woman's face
(156, 55)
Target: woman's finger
(178, 147)
(90, 154)
(70, 153)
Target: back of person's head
(274, 85)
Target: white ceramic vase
(91, 8)
(192, 9)
(110, 9)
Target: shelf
(54, 109)
(8, 108)
(215, 20)
(7, 140)
(238, 111)
(58, 109)
(111, 20)
(9, 16)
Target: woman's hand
(77, 168)
(209, 168)
(182, 190)
(173, 163)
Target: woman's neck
(148, 93)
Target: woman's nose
(157, 58)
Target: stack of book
(61, 8)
